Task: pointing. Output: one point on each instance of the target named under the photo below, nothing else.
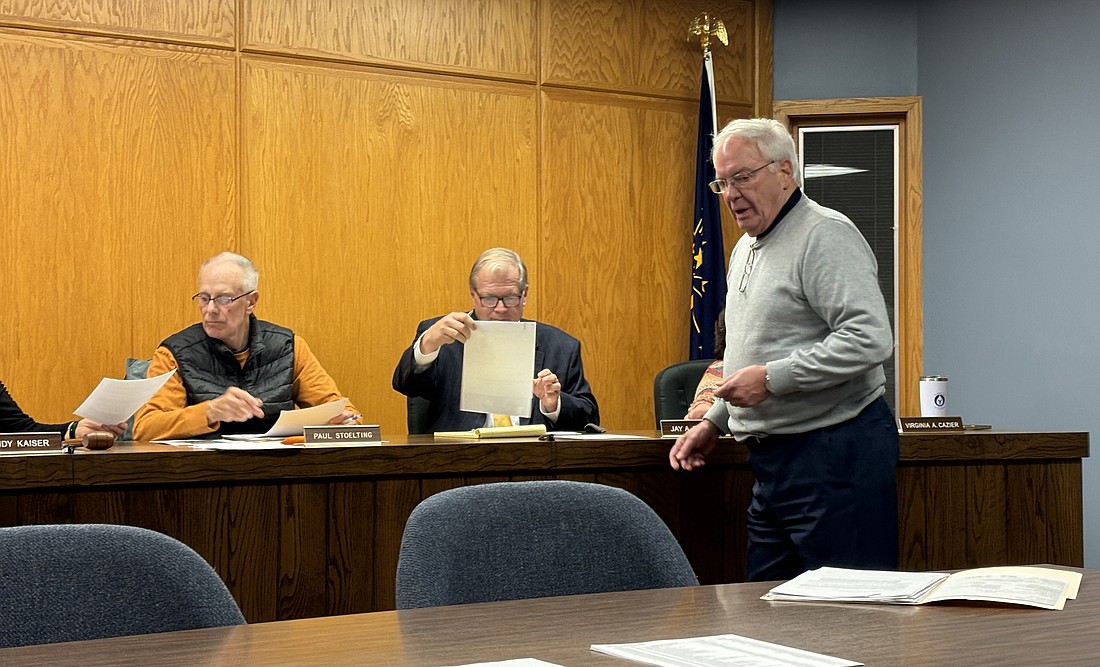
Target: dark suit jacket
(440, 382)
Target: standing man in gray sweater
(806, 335)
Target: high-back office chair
(136, 369)
(88, 581)
(417, 414)
(674, 388)
(517, 540)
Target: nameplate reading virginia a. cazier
(22, 443)
(929, 424)
(368, 434)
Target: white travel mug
(933, 396)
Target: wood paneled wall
(362, 153)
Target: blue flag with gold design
(708, 260)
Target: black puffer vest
(208, 367)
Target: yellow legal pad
(495, 432)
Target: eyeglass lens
(492, 301)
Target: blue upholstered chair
(516, 540)
(88, 581)
(136, 369)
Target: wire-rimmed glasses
(738, 180)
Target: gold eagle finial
(704, 27)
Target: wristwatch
(768, 383)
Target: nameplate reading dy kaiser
(22, 443)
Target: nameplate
(22, 443)
(929, 424)
(671, 428)
(369, 434)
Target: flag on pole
(708, 260)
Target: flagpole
(708, 278)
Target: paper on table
(718, 650)
(114, 401)
(1043, 587)
(850, 585)
(294, 422)
(497, 365)
(515, 662)
(565, 435)
(239, 446)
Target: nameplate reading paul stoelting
(22, 443)
(671, 428)
(369, 434)
(929, 424)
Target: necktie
(502, 420)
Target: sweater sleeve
(14, 420)
(704, 393)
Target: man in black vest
(236, 373)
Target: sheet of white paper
(600, 436)
(114, 401)
(294, 422)
(719, 651)
(497, 369)
(238, 446)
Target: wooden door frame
(905, 112)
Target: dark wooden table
(560, 631)
(312, 532)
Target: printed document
(498, 369)
(1044, 587)
(294, 422)
(114, 401)
(719, 651)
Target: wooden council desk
(315, 532)
(560, 631)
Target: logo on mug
(939, 400)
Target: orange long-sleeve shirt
(167, 415)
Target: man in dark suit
(431, 367)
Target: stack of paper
(496, 432)
(1043, 587)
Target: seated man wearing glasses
(236, 373)
(431, 367)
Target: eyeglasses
(738, 180)
(492, 301)
(748, 266)
(202, 299)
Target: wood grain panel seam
(389, 65)
(149, 38)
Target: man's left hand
(745, 388)
(547, 389)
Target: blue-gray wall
(1011, 97)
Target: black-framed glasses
(490, 301)
(748, 267)
(202, 299)
(738, 180)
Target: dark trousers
(826, 497)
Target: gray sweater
(813, 313)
